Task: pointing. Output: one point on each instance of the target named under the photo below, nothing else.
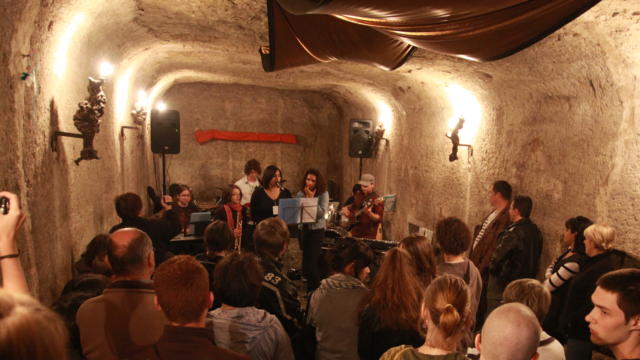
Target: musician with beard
(365, 213)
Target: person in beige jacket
(123, 321)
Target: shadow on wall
(49, 239)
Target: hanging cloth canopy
(385, 33)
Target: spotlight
(161, 106)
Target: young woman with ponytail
(445, 315)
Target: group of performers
(253, 198)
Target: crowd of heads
(406, 293)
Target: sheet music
(298, 210)
(309, 209)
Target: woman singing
(265, 199)
(235, 215)
(313, 185)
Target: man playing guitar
(365, 213)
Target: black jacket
(578, 303)
(279, 297)
(517, 255)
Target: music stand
(298, 211)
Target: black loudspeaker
(165, 132)
(360, 138)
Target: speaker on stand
(361, 140)
(165, 137)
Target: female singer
(313, 185)
(235, 215)
(265, 199)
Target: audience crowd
(462, 295)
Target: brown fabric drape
(384, 33)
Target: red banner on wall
(202, 136)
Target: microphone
(279, 184)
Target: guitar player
(365, 213)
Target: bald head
(511, 332)
(131, 253)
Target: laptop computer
(199, 222)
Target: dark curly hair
(453, 236)
(321, 184)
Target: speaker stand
(164, 176)
(360, 171)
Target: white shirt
(551, 350)
(247, 187)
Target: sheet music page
(309, 209)
(289, 210)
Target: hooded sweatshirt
(251, 331)
(333, 311)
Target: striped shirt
(555, 280)
(485, 225)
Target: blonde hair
(601, 235)
(447, 301)
(530, 292)
(29, 330)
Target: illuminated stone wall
(312, 117)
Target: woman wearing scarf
(235, 215)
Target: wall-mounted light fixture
(465, 120)
(87, 117)
(378, 137)
(139, 112)
(455, 141)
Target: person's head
(130, 254)
(357, 188)
(511, 332)
(615, 318)
(446, 312)
(423, 257)
(530, 292)
(218, 238)
(598, 238)
(368, 183)
(128, 205)
(272, 176)
(247, 274)
(252, 169)
(174, 190)
(182, 290)
(574, 232)
(396, 292)
(29, 330)
(500, 193)
(95, 255)
(233, 195)
(314, 181)
(520, 208)
(453, 236)
(183, 195)
(270, 237)
(352, 257)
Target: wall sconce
(139, 112)
(455, 141)
(87, 117)
(378, 136)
